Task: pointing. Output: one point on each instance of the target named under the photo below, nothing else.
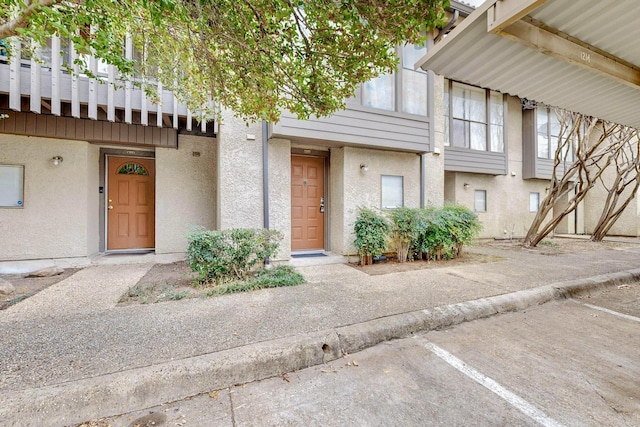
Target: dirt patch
(393, 266)
(549, 246)
(558, 245)
(163, 282)
(26, 287)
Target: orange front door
(131, 203)
(307, 203)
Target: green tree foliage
(255, 57)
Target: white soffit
(473, 55)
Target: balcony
(45, 87)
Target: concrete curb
(135, 389)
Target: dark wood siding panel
(87, 130)
(359, 128)
(528, 144)
(473, 161)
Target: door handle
(109, 207)
(321, 204)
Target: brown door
(131, 203)
(307, 203)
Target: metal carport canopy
(582, 55)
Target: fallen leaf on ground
(624, 286)
(329, 371)
(355, 363)
(213, 394)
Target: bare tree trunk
(592, 157)
(627, 176)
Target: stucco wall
(508, 213)
(185, 191)
(364, 189)
(93, 199)
(434, 162)
(239, 174)
(626, 225)
(60, 203)
(280, 194)
(336, 200)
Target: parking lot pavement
(566, 363)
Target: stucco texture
(627, 224)
(239, 174)
(185, 191)
(59, 216)
(280, 194)
(354, 188)
(434, 161)
(508, 214)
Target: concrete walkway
(70, 354)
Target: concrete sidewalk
(70, 354)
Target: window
(379, 93)
(534, 202)
(548, 129)
(11, 186)
(480, 201)
(474, 118)
(132, 169)
(404, 91)
(414, 82)
(392, 191)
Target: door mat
(310, 255)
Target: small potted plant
(371, 230)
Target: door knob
(109, 207)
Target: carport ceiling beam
(505, 12)
(535, 35)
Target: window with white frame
(534, 201)
(404, 91)
(548, 134)
(11, 186)
(474, 117)
(480, 201)
(392, 191)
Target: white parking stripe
(615, 313)
(511, 398)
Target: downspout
(422, 178)
(265, 177)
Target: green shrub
(406, 226)
(445, 231)
(226, 255)
(371, 230)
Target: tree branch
(8, 29)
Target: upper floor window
(474, 117)
(404, 91)
(550, 131)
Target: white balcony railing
(51, 85)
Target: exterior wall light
(56, 160)
(364, 168)
(465, 185)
